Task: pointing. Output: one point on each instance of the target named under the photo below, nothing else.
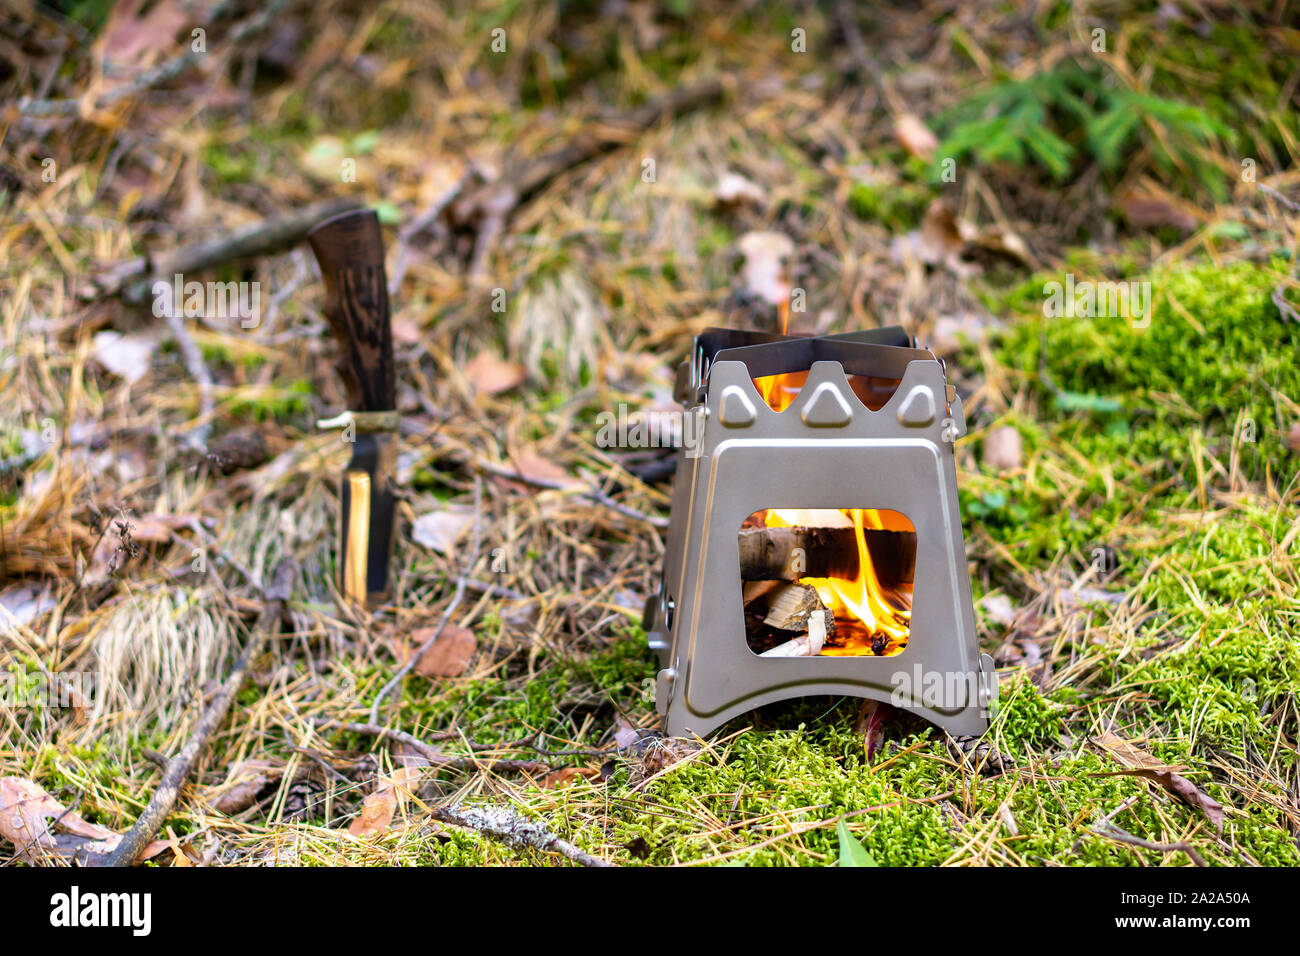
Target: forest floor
(1128, 486)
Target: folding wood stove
(828, 452)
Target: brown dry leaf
(1140, 763)
(440, 530)
(378, 809)
(1151, 209)
(941, 239)
(489, 374)
(915, 136)
(764, 272)
(533, 466)
(243, 783)
(28, 816)
(156, 529)
(944, 239)
(665, 752)
(1005, 243)
(567, 777)
(450, 654)
(132, 41)
(1003, 449)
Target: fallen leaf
(533, 466)
(489, 374)
(440, 530)
(22, 604)
(157, 529)
(324, 157)
(998, 608)
(1151, 209)
(132, 41)
(29, 816)
(1003, 449)
(945, 239)
(871, 725)
(126, 356)
(1005, 243)
(915, 136)
(378, 809)
(1140, 763)
(629, 737)
(449, 655)
(664, 752)
(407, 332)
(734, 190)
(567, 777)
(764, 271)
(941, 239)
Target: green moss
(269, 402)
(896, 205)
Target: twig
(437, 758)
(1288, 311)
(491, 205)
(178, 768)
(197, 437)
(1284, 200)
(518, 833)
(591, 494)
(1112, 832)
(461, 583)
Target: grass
(1169, 445)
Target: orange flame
(862, 609)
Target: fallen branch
(436, 758)
(197, 437)
(179, 767)
(490, 206)
(508, 827)
(1111, 832)
(134, 280)
(582, 490)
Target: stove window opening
(827, 582)
(780, 391)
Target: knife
(350, 250)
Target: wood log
(790, 606)
(777, 612)
(768, 554)
(805, 645)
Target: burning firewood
(779, 613)
(808, 645)
(791, 606)
(787, 554)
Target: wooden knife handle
(350, 250)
